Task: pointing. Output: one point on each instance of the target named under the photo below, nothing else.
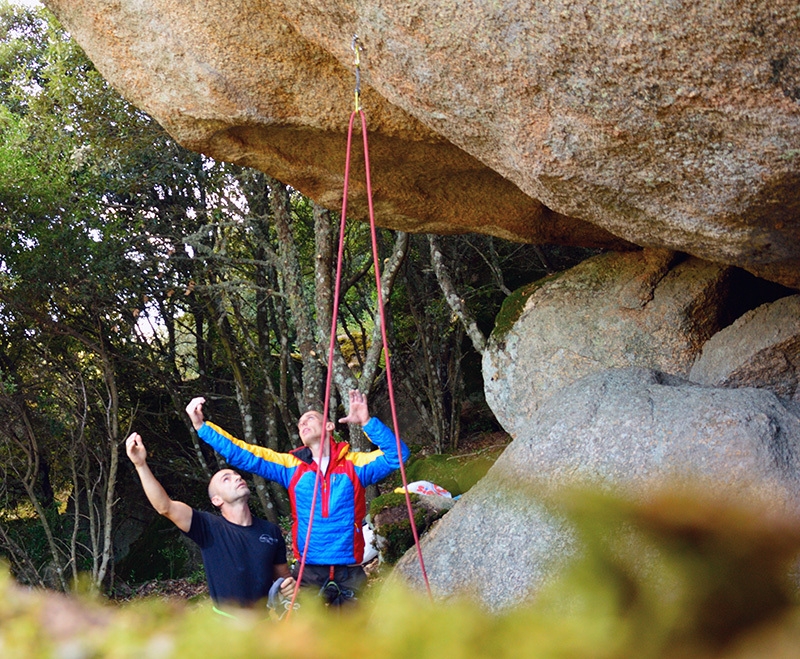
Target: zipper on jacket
(325, 495)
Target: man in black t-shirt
(242, 555)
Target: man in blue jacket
(336, 545)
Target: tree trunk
(243, 398)
(112, 425)
(31, 450)
(313, 380)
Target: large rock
(664, 124)
(631, 429)
(653, 309)
(239, 83)
(761, 349)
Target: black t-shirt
(238, 560)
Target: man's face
(310, 427)
(227, 486)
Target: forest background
(135, 274)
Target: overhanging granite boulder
(660, 124)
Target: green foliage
(160, 553)
(680, 575)
(515, 303)
(456, 474)
(389, 513)
(176, 555)
(28, 533)
(197, 577)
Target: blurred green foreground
(679, 575)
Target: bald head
(212, 484)
(226, 486)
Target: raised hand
(135, 449)
(195, 411)
(359, 411)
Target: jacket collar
(338, 451)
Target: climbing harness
(332, 593)
(331, 588)
(278, 604)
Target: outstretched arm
(373, 466)
(176, 511)
(256, 459)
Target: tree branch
(454, 301)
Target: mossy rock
(389, 514)
(454, 473)
(512, 306)
(439, 469)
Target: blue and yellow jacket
(340, 508)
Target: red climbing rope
(326, 440)
(382, 316)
